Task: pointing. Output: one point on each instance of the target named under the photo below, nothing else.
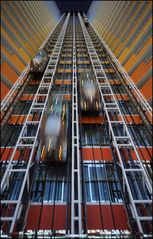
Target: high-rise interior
(76, 119)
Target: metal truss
(132, 86)
(26, 142)
(122, 141)
(76, 211)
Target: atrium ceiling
(73, 6)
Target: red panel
(101, 120)
(94, 218)
(121, 97)
(27, 97)
(92, 120)
(32, 219)
(60, 217)
(46, 217)
(7, 153)
(121, 221)
(143, 154)
(97, 154)
(20, 120)
(65, 82)
(100, 154)
(106, 153)
(128, 119)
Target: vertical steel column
(30, 142)
(76, 211)
(119, 142)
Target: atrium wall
(24, 26)
(126, 27)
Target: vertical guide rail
(119, 142)
(128, 79)
(76, 211)
(27, 142)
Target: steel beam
(76, 211)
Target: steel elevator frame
(38, 108)
(76, 210)
(126, 140)
(73, 41)
(10, 96)
(129, 81)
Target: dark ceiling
(73, 6)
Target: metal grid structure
(118, 141)
(19, 86)
(76, 211)
(147, 108)
(8, 98)
(24, 141)
(73, 56)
